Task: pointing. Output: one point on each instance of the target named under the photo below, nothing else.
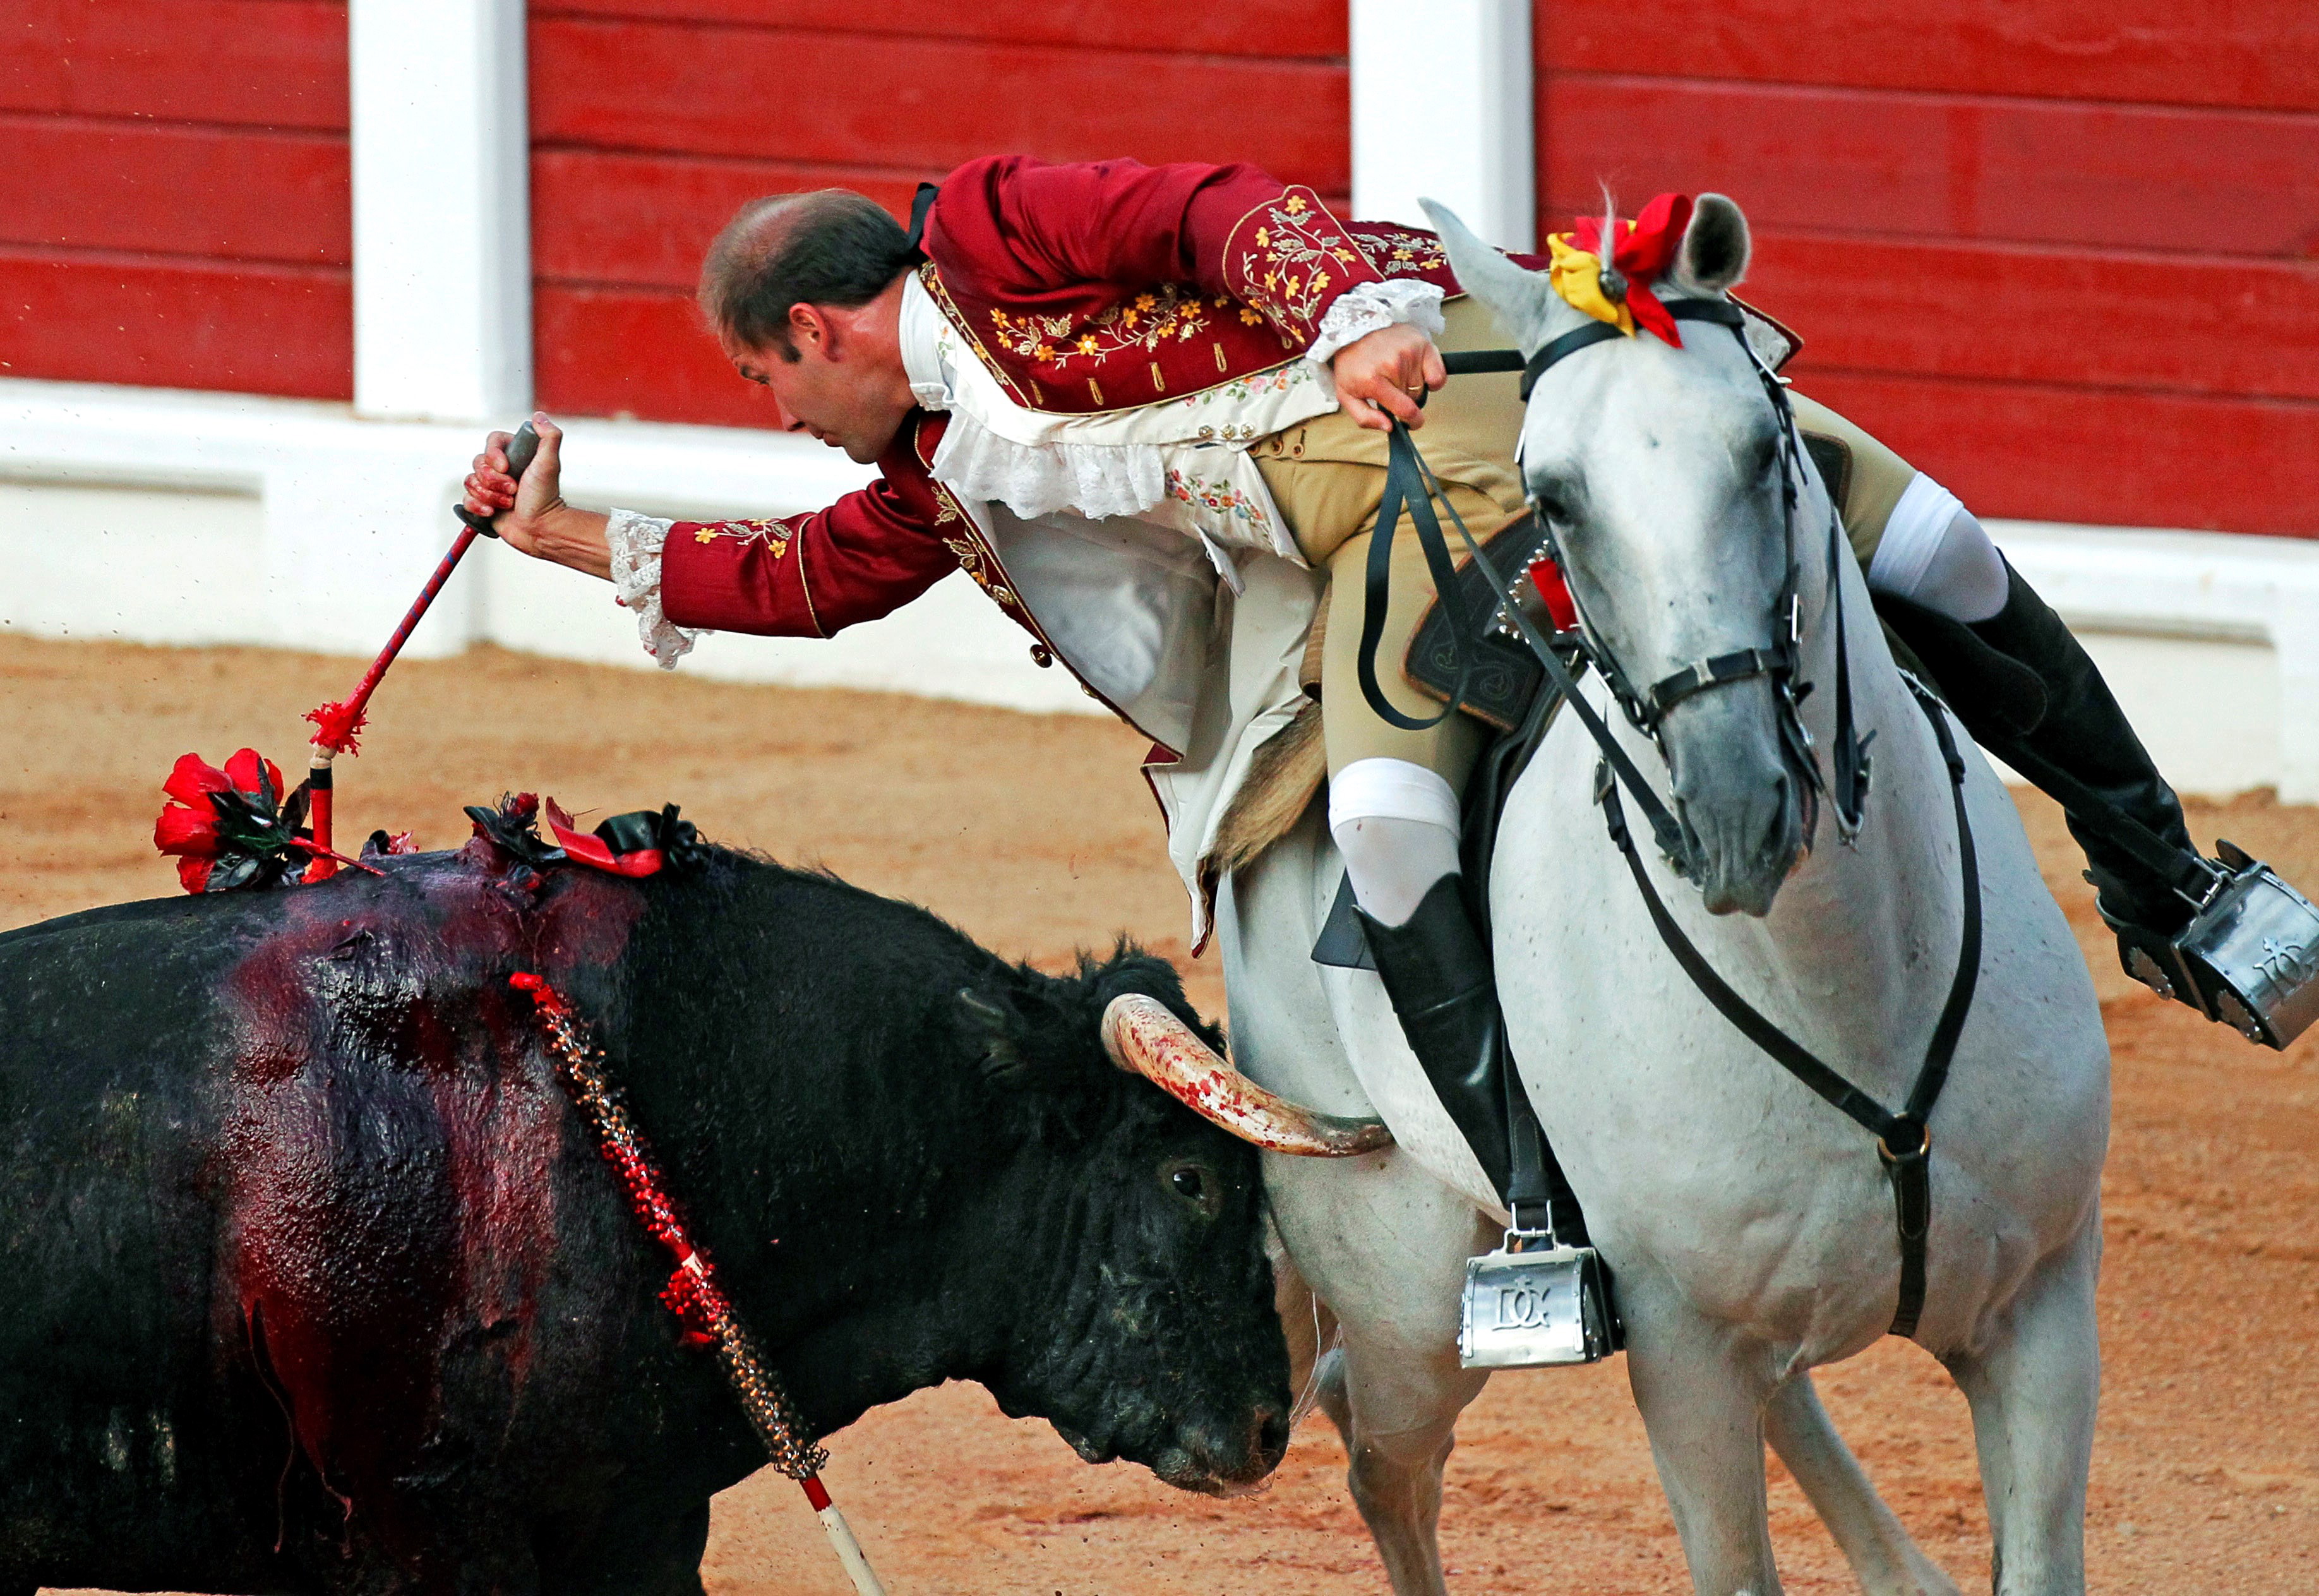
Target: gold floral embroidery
(1300, 258)
(776, 536)
(1148, 322)
(973, 559)
(1405, 254)
(939, 291)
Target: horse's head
(1659, 469)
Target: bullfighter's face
(837, 381)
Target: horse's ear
(1715, 246)
(1518, 297)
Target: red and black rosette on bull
(232, 829)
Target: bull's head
(1154, 1336)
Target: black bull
(314, 1280)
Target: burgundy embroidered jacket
(1083, 288)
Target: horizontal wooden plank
(1277, 28)
(2038, 453)
(2245, 53)
(265, 63)
(2218, 181)
(174, 324)
(911, 103)
(2093, 319)
(598, 218)
(635, 352)
(238, 195)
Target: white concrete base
(2210, 641)
(160, 517)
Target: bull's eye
(1196, 1184)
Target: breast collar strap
(1903, 1139)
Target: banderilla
(336, 724)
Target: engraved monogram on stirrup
(2287, 963)
(1526, 1309)
(1523, 1307)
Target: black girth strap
(1903, 1139)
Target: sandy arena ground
(1036, 835)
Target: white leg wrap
(1937, 554)
(1396, 823)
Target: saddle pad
(1833, 456)
(1505, 676)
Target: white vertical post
(442, 223)
(1441, 108)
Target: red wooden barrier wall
(2064, 257)
(654, 119)
(173, 195)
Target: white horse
(1749, 1226)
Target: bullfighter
(1146, 409)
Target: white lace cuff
(636, 541)
(1360, 311)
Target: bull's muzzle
(1143, 1038)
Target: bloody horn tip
(1144, 1038)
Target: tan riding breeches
(1327, 476)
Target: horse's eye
(1190, 1183)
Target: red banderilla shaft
(338, 722)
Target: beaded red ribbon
(691, 1293)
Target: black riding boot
(2020, 675)
(1435, 968)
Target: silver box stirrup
(2250, 958)
(1534, 1304)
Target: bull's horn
(1143, 1038)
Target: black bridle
(1903, 1139)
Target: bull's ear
(1715, 246)
(987, 1027)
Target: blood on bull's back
(316, 1281)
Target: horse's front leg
(2033, 1383)
(1384, 1245)
(1701, 1386)
(1887, 1562)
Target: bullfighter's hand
(531, 515)
(1379, 375)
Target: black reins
(1903, 1139)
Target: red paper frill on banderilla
(335, 725)
(232, 828)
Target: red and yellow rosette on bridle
(1617, 290)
